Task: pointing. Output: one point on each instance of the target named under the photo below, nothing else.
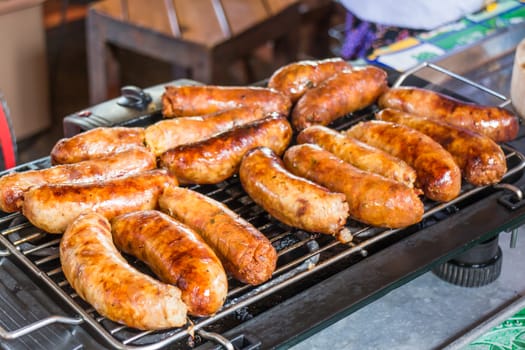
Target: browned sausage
(481, 160)
(494, 122)
(52, 207)
(437, 174)
(102, 277)
(372, 199)
(13, 186)
(244, 251)
(295, 78)
(289, 198)
(190, 100)
(176, 254)
(217, 158)
(96, 143)
(169, 133)
(346, 92)
(359, 154)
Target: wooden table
(201, 36)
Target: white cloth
(414, 14)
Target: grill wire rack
(301, 254)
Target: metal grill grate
(300, 254)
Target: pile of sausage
(117, 190)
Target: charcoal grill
(318, 279)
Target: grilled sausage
(169, 133)
(102, 277)
(495, 122)
(13, 186)
(346, 92)
(52, 207)
(243, 250)
(359, 154)
(177, 255)
(289, 198)
(294, 79)
(191, 100)
(217, 158)
(96, 143)
(481, 160)
(437, 174)
(372, 199)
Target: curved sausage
(218, 158)
(437, 174)
(359, 154)
(52, 207)
(169, 133)
(372, 199)
(96, 143)
(293, 200)
(294, 79)
(102, 277)
(495, 122)
(243, 250)
(346, 92)
(176, 254)
(191, 100)
(13, 186)
(481, 160)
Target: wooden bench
(203, 37)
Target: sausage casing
(215, 159)
(244, 251)
(359, 154)
(191, 100)
(495, 122)
(13, 186)
(481, 160)
(169, 133)
(52, 207)
(102, 277)
(346, 92)
(95, 143)
(291, 199)
(176, 254)
(437, 173)
(294, 79)
(372, 199)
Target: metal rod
(172, 18)
(221, 18)
(445, 71)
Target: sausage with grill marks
(437, 173)
(13, 186)
(495, 122)
(294, 79)
(289, 198)
(346, 92)
(177, 255)
(372, 199)
(481, 160)
(96, 143)
(359, 154)
(170, 133)
(215, 159)
(244, 251)
(191, 100)
(102, 277)
(52, 207)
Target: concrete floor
(427, 313)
